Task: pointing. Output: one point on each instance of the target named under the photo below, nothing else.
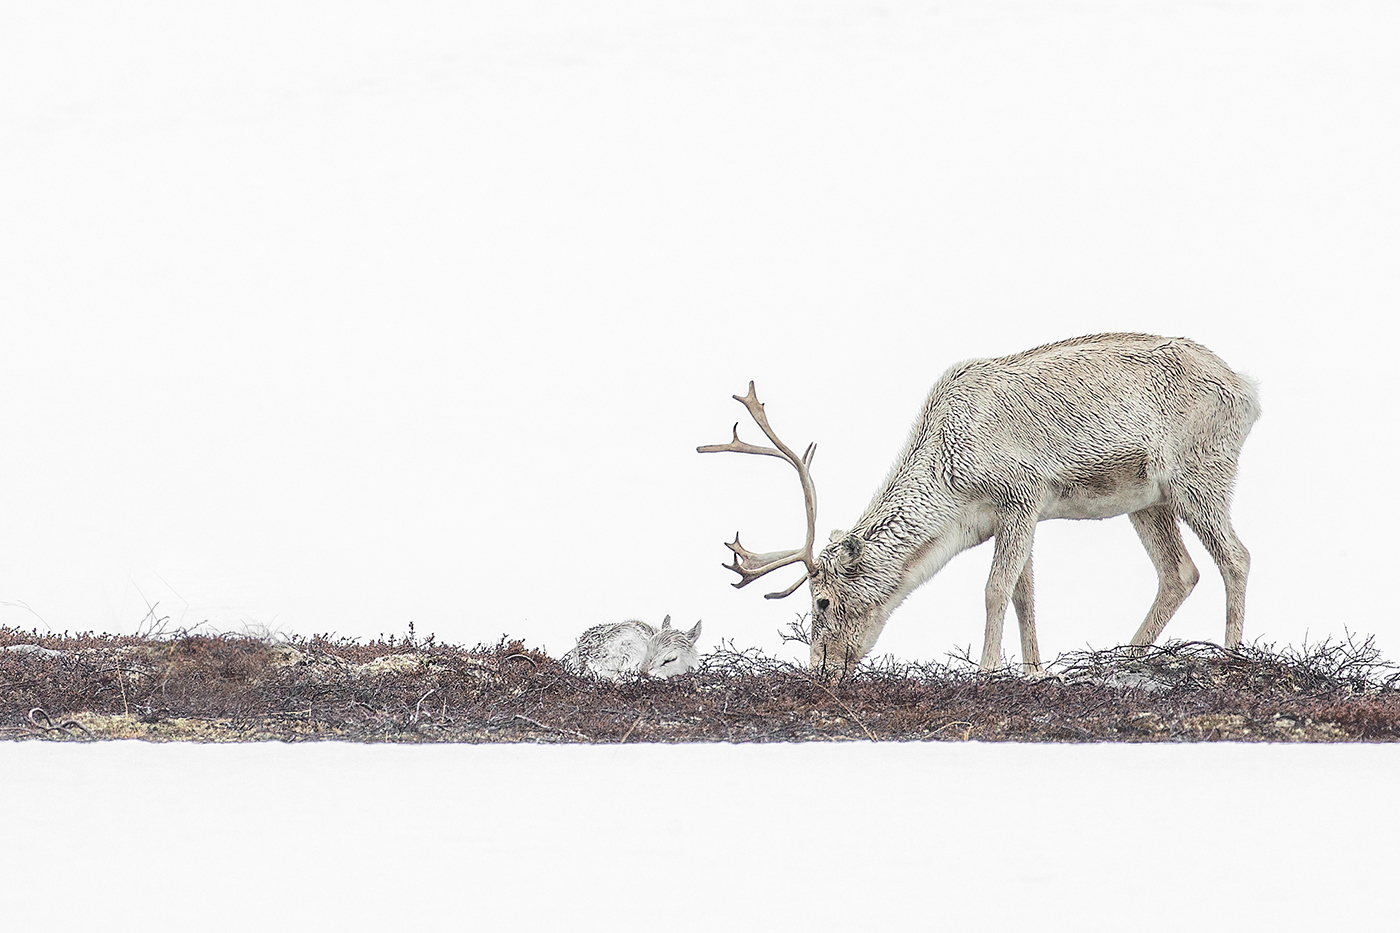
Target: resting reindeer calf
(611, 651)
(1089, 428)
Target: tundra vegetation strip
(234, 688)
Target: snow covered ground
(130, 836)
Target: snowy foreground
(135, 836)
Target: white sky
(336, 316)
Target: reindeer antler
(747, 564)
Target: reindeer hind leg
(1176, 572)
(1203, 502)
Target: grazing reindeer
(1092, 427)
(611, 650)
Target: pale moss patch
(388, 664)
(322, 668)
(177, 729)
(286, 656)
(1307, 729)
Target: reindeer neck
(917, 523)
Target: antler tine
(789, 591)
(739, 447)
(755, 408)
(749, 565)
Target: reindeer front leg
(1012, 552)
(1023, 598)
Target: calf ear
(693, 635)
(850, 551)
(665, 623)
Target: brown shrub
(223, 687)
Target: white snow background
(335, 316)
(887, 837)
(332, 316)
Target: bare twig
(417, 710)
(798, 630)
(854, 718)
(628, 734)
(48, 725)
(956, 722)
(121, 683)
(538, 724)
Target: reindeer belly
(1102, 490)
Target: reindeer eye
(823, 604)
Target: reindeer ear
(836, 535)
(850, 551)
(693, 635)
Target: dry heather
(231, 688)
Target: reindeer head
(851, 599)
(848, 601)
(671, 652)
